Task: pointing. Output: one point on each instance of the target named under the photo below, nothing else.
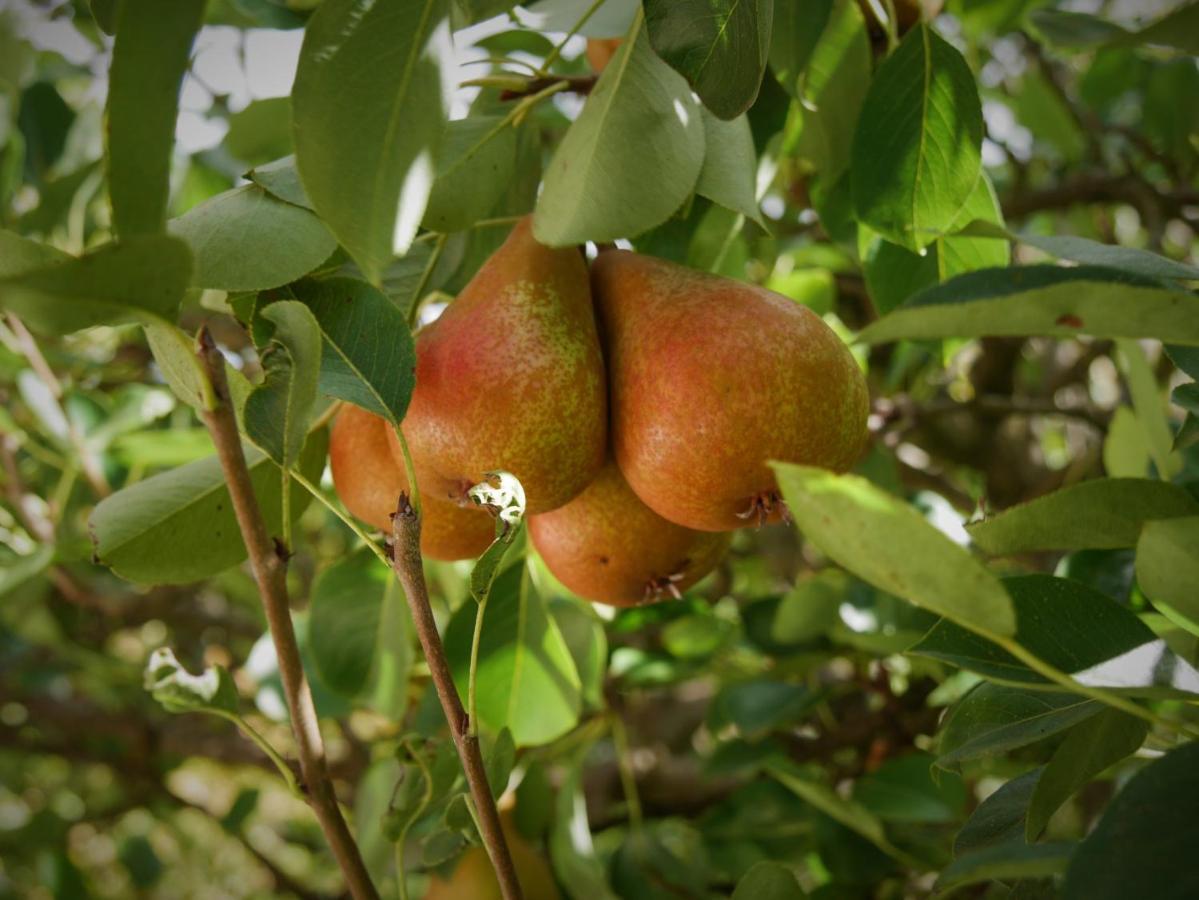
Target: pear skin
(608, 546)
(511, 377)
(368, 481)
(474, 879)
(709, 379)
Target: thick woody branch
(270, 573)
(410, 572)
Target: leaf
(367, 136)
(149, 58)
(474, 169)
(1089, 749)
(730, 166)
(368, 356)
(719, 46)
(19, 255)
(1006, 862)
(1076, 630)
(179, 691)
(175, 353)
(179, 526)
(571, 851)
(1043, 300)
(247, 240)
(278, 411)
(993, 719)
(768, 881)
(1065, 28)
(261, 131)
(1149, 405)
(886, 542)
(142, 277)
(903, 790)
(630, 159)
(281, 180)
(999, 819)
(1178, 29)
(526, 678)
(1144, 844)
(359, 632)
(584, 634)
(758, 707)
(795, 32)
(917, 150)
(1168, 563)
(833, 91)
(500, 758)
(1104, 513)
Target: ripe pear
(511, 377)
(709, 379)
(474, 879)
(608, 546)
(600, 52)
(369, 480)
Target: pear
(608, 546)
(474, 879)
(709, 379)
(369, 480)
(511, 377)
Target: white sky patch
(417, 182)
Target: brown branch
(270, 572)
(577, 84)
(1099, 188)
(406, 561)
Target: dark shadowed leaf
(571, 850)
(768, 881)
(474, 169)
(1006, 862)
(999, 819)
(278, 410)
(903, 790)
(794, 33)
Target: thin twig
(409, 570)
(270, 573)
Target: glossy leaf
(631, 158)
(917, 149)
(1043, 300)
(368, 357)
(473, 171)
(1104, 513)
(886, 542)
(719, 46)
(277, 412)
(149, 57)
(1168, 563)
(179, 526)
(1076, 630)
(367, 137)
(730, 166)
(247, 240)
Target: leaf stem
(285, 497)
(266, 747)
(471, 706)
(346, 519)
(557, 51)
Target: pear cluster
(639, 403)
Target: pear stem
(409, 569)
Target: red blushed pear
(709, 380)
(368, 481)
(608, 546)
(511, 378)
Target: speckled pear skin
(608, 546)
(369, 482)
(709, 379)
(511, 377)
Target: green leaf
(179, 526)
(571, 851)
(247, 240)
(795, 32)
(1043, 300)
(584, 634)
(886, 542)
(360, 633)
(1076, 630)
(281, 180)
(1065, 28)
(833, 91)
(730, 166)
(758, 707)
(1006, 862)
(474, 169)
(526, 678)
(141, 277)
(175, 353)
(917, 149)
(149, 57)
(499, 758)
(368, 356)
(719, 46)
(1104, 513)
(903, 790)
(999, 819)
(993, 719)
(261, 131)
(278, 411)
(1089, 749)
(630, 159)
(367, 136)
(768, 881)
(1178, 29)
(179, 691)
(1144, 846)
(1168, 563)
(23, 569)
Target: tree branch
(270, 572)
(406, 562)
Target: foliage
(970, 662)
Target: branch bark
(406, 562)
(270, 573)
